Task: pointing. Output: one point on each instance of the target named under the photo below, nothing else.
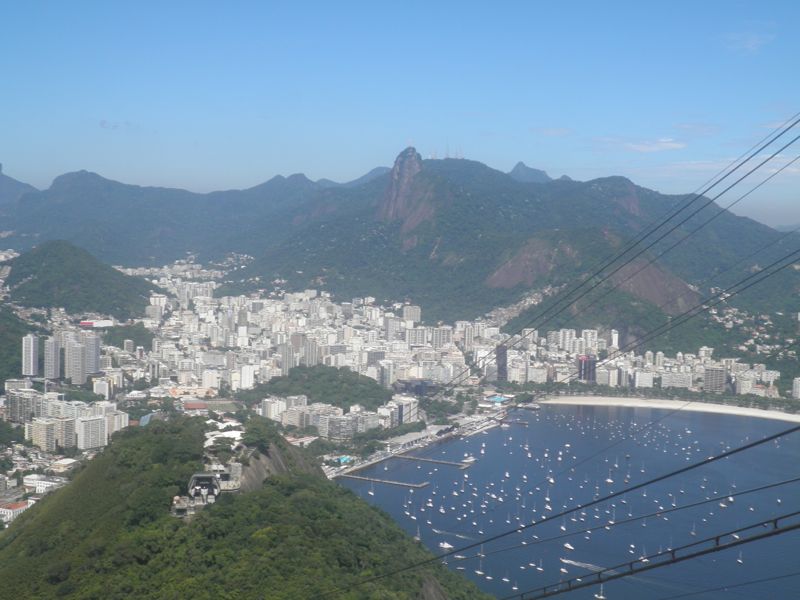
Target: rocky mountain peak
(525, 174)
(399, 196)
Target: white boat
(445, 546)
(569, 546)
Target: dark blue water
(507, 486)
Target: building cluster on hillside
(20, 492)
(332, 422)
(72, 355)
(53, 422)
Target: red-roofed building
(10, 511)
(195, 408)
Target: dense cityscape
(206, 349)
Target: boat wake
(460, 536)
(587, 566)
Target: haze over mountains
(453, 235)
(11, 189)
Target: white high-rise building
(91, 343)
(248, 377)
(116, 420)
(65, 432)
(43, 433)
(590, 338)
(441, 336)
(102, 387)
(91, 432)
(614, 338)
(796, 388)
(412, 312)
(273, 408)
(52, 358)
(416, 336)
(30, 355)
(75, 363)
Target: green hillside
(58, 274)
(339, 387)
(12, 329)
(109, 535)
(137, 333)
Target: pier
(387, 481)
(513, 421)
(437, 461)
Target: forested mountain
(59, 274)
(452, 235)
(110, 535)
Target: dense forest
(58, 274)
(137, 333)
(109, 534)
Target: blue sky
(210, 95)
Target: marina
(530, 480)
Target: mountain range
(452, 235)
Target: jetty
(449, 463)
(386, 481)
(514, 422)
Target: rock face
(399, 195)
(535, 259)
(408, 197)
(276, 461)
(656, 285)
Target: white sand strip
(672, 405)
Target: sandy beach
(672, 405)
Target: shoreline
(695, 406)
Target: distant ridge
(453, 235)
(367, 177)
(12, 190)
